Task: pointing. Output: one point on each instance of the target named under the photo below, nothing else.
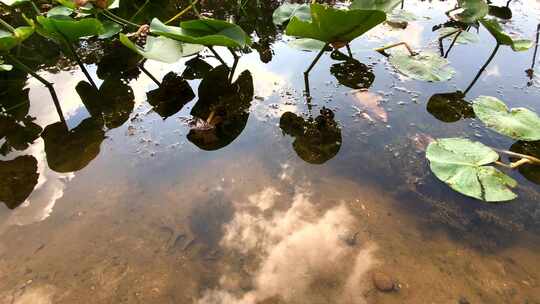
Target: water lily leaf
(60, 11)
(517, 123)
(378, 5)
(463, 38)
(14, 2)
(334, 25)
(162, 48)
(207, 32)
(10, 40)
(496, 30)
(461, 164)
(306, 44)
(425, 66)
(471, 11)
(60, 28)
(110, 29)
(400, 19)
(287, 10)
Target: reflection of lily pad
(471, 10)
(162, 48)
(461, 164)
(495, 28)
(72, 150)
(518, 123)
(286, 11)
(425, 66)
(223, 106)
(196, 68)
(18, 178)
(450, 107)
(18, 134)
(353, 74)
(171, 96)
(529, 171)
(463, 38)
(207, 32)
(306, 44)
(334, 25)
(501, 12)
(316, 140)
(379, 5)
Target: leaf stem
(145, 71)
(8, 27)
(482, 69)
(120, 19)
(140, 10)
(532, 159)
(217, 55)
(182, 12)
(316, 59)
(382, 49)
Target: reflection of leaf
(18, 135)
(196, 68)
(494, 27)
(471, 10)
(425, 66)
(463, 38)
(161, 48)
(353, 74)
(306, 44)
(316, 140)
(112, 103)
(207, 32)
(118, 62)
(450, 107)
(173, 93)
(529, 171)
(501, 12)
(72, 150)
(517, 123)
(18, 178)
(461, 164)
(379, 5)
(224, 106)
(334, 25)
(287, 10)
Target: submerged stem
(182, 12)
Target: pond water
(136, 198)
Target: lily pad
(207, 32)
(495, 28)
(463, 38)
(400, 18)
(462, 165)
(60, 28)
(162, 48)
(287, 10)
(517, 123)
(306, 44)
(10, 40)
(379, 5)
(425, 66)
(14, 2)
(335, 25)
(60, 11)
(471, 11)
(110, 29)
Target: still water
(135, 199)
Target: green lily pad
(461, 164)
(517, 123)
(60, 28)
(207, 32)
(378, 5)
(14, 2)
(10, 40)
(471, 11)
(287, 10)
(110, 29)
(463, 38)
(306, 44)
(400, 18)
(335, 25)
(162, 48)
(495, 29)
(60, 11)
(425, 66)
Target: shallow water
(147, 204)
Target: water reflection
(173, 93)
(529, 171)
(223, 108)
(316, 141)
(18, 177)
(351, 72)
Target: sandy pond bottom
(259, 237)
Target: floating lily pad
(400, 18)
(60, 28)
(425, 66)
(379, 5)
(162, 48)
(335, 25)
(306, 44)
(110, 29)
(287, 10)
(471, 11)
(60, 11)
(207, 32)
(495, 28)
(10, 40)
(463, 38)
(517, 123)
(462, 165)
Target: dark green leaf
(287, 10)
(162, 48)
(503, 38)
